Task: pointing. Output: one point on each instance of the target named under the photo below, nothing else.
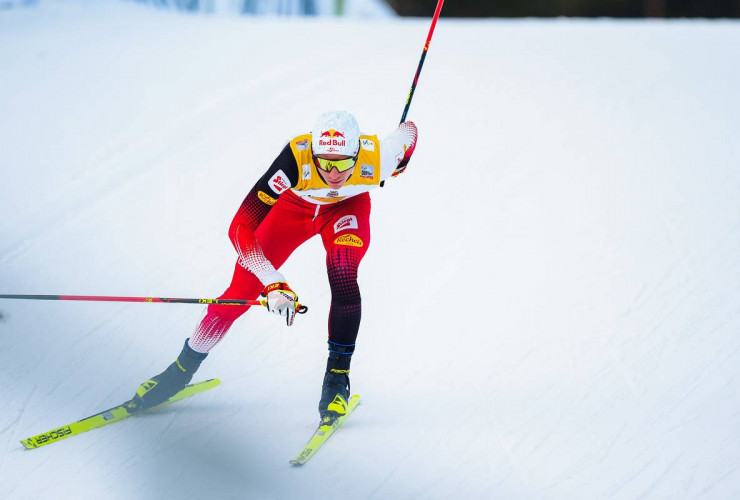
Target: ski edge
(109, 416)
(322, 434)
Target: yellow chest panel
(310, 184)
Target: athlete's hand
(408, 130)
(281, 300)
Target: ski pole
(421, 62)
(300, 308)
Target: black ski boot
(162, 387)
(335, 391)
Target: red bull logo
(332, 133)
(333, 138)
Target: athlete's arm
(281, 176)
(396, 150)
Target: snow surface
(551, 299)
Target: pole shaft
(159, 300)
(421, 61)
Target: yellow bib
(366, 173)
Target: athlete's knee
(214, 325)
(222, 313)
(342, 269)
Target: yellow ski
(115, 414)
(323, 433)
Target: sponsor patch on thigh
(349, 240)
(346, 222)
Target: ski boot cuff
(336, 389)
(338, 363)
(192, 352)
(189, 360)
(335, 348)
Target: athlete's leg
(279, 234)
(282, 230)
(217, 319)
(346, 237)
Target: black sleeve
(281, 176)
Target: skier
(318, 184)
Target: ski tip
(205, 384)
(28, 444)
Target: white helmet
(336, 132)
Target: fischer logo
(346, 222)
(52, 435)
(332, 138)
(279, 182)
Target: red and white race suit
(290, 204)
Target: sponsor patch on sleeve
(368, 144)
(302, 145)
(306, 172)
(346, 222)
(349, 240)
(266, 198)
(279, 182)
